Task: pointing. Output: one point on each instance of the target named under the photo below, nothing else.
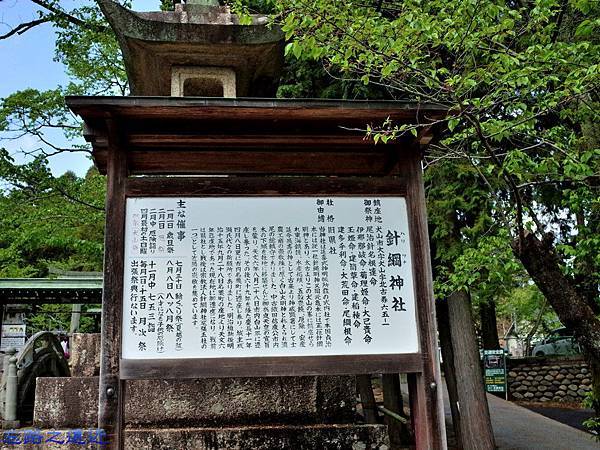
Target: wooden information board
(263, 238)
(271, 276)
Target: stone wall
(548, 379)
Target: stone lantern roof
(199, 49)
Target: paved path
(517, 428)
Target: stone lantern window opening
(189, 81)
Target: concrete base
(73, 402)
(309, 437)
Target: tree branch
(507, 177)
(77, 200)
(69, 17)
(22, 28)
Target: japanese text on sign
(245, 277)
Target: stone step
(73, 402)
(297, 437)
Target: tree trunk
(542, 264)
(489, 326)
(595, 368)
(448, 364)
(476, 426)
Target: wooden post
(427, 408)
(392, 400)
(367, 398)
(111, 394)
(75, 318)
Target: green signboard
(494, 365)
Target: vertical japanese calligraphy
(235, 277)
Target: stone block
(364, 437)
(84, 360)
(336, 398)
(72, 402)
(66, 402)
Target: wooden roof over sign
(187, 135)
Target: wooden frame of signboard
(264, 148)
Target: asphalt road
(572, 417)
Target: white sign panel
(249, 277)
(13, 336)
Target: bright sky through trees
(27, 62)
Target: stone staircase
(209, 414)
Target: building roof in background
(83, 288)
